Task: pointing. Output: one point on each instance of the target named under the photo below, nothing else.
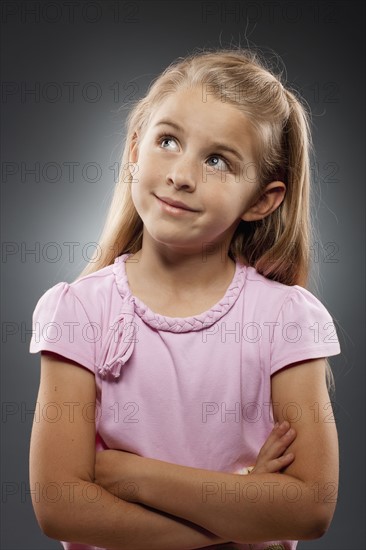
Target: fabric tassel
(117, 350)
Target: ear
(269, 200)
(134, 153)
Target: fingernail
(277, 424)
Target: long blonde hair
(277, 246)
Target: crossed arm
(192, 494)
(178, 507)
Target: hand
(271, 457)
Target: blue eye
(168, 138)
(165, 138)
(222, 160)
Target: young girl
(193, 333)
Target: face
(180, 160)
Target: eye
(222, 159)
(164, 137)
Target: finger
(279, 447)
(281, 462)
(277, 432)
(284, 460)
(288, 436)
(275, 465)
(277, 443)
(283, 427)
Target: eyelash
(162, 137)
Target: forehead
(205, 116)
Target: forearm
(245, 509)
(89, 514)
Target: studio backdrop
(70, 71)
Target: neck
(182, 273)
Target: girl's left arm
(297, 504)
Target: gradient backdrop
(69, 75)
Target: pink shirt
(193, 391)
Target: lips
(177, 204)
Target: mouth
(177, 205)
(174, 207)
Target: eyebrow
(215, 144)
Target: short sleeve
(304, 330)
(61, 325)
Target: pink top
(194, 391)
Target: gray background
(107, 53)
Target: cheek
(223, 200)
(229, 206)
(149, 171)
(143, 185)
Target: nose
(182, 173)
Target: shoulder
(296, 322)
(96, 287)
(263, 296)
(299, 325)
(70, 318)
(90, 294)
(271, 296)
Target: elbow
(320, 521)
(317, 529)
(58, 520)
(58, 514)
(56, 528)
(49, 523)
(316, 509)
(49, 530)
(324, 521)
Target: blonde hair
(277, 246)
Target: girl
(193, 333)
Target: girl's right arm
(68, 505)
